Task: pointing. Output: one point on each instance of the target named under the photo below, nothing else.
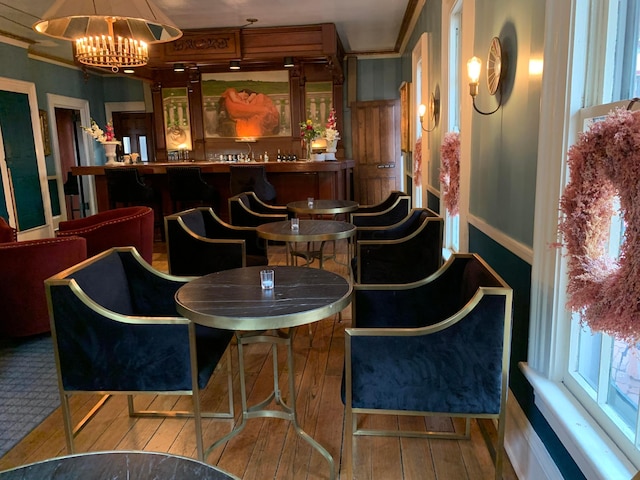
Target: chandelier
(108, 33)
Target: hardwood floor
(269, 448)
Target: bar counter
(292, 180)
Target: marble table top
(120, 465)
(309, 231)
(323, 207)
(234, 300)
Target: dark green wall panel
(20, 154)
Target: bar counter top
(223, 167)
(292, 180)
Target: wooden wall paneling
(196, 113)
(161, 144)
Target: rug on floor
(28, 387)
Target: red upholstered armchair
(24, 266)
(7, 232)
(120, 227)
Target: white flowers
(331, 134)
(100, 135)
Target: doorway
(135, 129)
(71, 147)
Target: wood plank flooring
(269, 448)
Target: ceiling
(364, 26)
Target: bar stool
(71, 189)
(127, 188)
(251, 178)
(187, 188)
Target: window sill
(589, 446)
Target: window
(452, 223)
(604, 373)
(578, 377)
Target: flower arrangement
(605, 162)
(309, 132)
(331, 132)
(450, 171)
(100, 135)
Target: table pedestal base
(286, 412)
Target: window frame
(565, 91)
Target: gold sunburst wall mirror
(494, 65)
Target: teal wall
(69, 82)
(505, 144)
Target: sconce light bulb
(474, 65)
(422, 109)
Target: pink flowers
(450, 171)
(331, 131)
(605, 162)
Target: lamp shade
(139, 19)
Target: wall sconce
(234, 65)
(495, 73)
(288, 62)
(434, 111)
(178, 67)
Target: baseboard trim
(527, 453)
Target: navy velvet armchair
(388, 212)
(199, 243)
(439, 346)
(247, 210)
(401, 253)
(116, 330)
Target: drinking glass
(266, 279)
(295, 224)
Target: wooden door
(375, 127)
(136, 132)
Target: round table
(117, 464)
(309, 231)
(323, 207)
(234, 300)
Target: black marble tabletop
(323, 207)
(234, 299)
(308, 231)
(121, 465)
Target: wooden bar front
(292, 180)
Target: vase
(110, 151)
(332, 147)
(307, 144)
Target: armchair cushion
(24, 266)
(120, 227)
